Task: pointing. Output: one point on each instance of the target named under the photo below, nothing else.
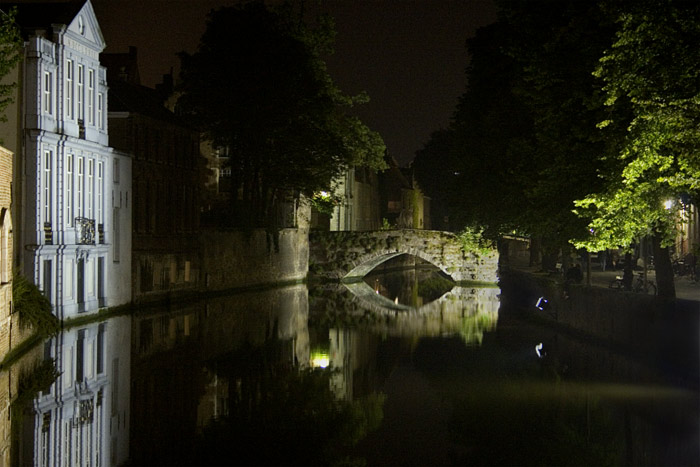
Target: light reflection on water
(298, 376)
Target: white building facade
(72, 189)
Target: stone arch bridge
(349, 256)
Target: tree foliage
(258, 85)
(653, 66)
(33, 307)
(10, 56)
(525, 141)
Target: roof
(134, 98)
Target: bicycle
(640, 285)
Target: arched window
(5, 242)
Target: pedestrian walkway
(685, 288)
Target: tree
(525, 130)
(654, 67)
(10, 55)
(259, 86)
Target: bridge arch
(349, 256)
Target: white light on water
(538, 349)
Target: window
(100, 111)
(100, 348)
(79, 92)
(115, 235)
(89, 188)
(115, 175)
(79, 188)
(69, 89)
(5, 239)
(100, 192)
(80, 356)
(68, 203)
(48, 92)
(91, 97)
(46, 187)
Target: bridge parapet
(349, 256)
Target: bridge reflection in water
(234, 380)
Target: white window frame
(89, 189)
(46, 186)
(116, 238)
(100, 111)
(69, 190)
(115, 171)
(79, 187)
(91, 97)
(69, 89)
(100, 193)
(79, 92)
(48, 93)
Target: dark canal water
(403, 369)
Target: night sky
(409, 56)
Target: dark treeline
(579, 122)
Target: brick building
(165, 180)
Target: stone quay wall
(245, 259)
(641, 324)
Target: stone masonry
(350, 255)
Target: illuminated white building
(71, 190)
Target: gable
(85, 29)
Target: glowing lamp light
(324, 194)
(320, 360)
(668, 204)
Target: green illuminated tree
(653, 66)
(10, 56)
(259, 86)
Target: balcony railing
(48, 233)
(81, 128)
(85, 231)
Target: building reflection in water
(83, 417)
(194, 365)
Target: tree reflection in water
(283, 415)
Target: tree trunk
(628, 272)
(549, 258)
(664, 269)
(535, 251)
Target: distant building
(688, 225)
(358, 209)
(166, 181)
(403, 204)
(70, 215)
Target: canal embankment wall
(642, 324)
(245, 259)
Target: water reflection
(82, 417)
(409, 281)
(331, 375)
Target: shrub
(33, 307)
